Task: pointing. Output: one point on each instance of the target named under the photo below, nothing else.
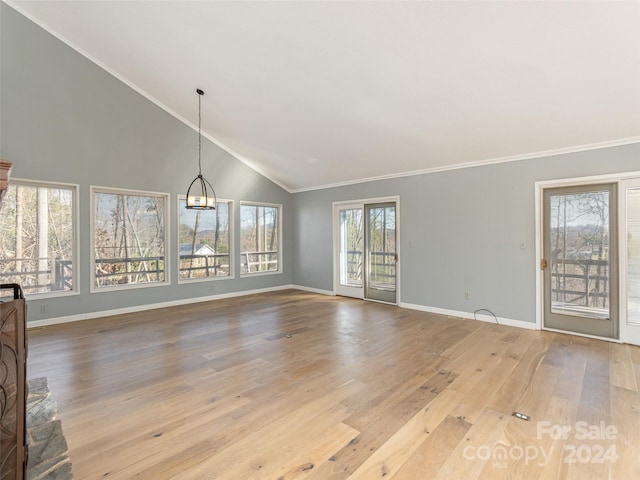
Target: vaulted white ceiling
(322, 93)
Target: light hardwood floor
(292, 385)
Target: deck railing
(203, 266)
(32, 277)
(255, 262)
(58, 275)
(573, 282)
(383, 267)
(581, 283)
(116, 271)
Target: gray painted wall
(64, 119)
(461, 230)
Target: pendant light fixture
(203, 197)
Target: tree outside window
(129, 238)
(579, 240)
(37, 237)
(259, 238)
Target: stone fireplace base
(48, 451)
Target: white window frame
(278, 206)
(167, 246)
(75, 235)
(231, 245)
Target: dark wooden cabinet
(13, 387)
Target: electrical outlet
(467, 295)
(43, 308)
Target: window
(204, 242)
(129, 238)
(260, 238)
(38, 237)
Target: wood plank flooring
(293, 385)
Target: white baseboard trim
(152, 306)
(313, 290)
(469, 316)
(209, 298)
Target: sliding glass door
(365, 237)
(381, 256)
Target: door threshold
(586, 335)
(380, 301)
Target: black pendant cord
(200, 93)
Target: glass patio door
(630, 241)
(580, 260)
(380, 252)
(365, 236)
